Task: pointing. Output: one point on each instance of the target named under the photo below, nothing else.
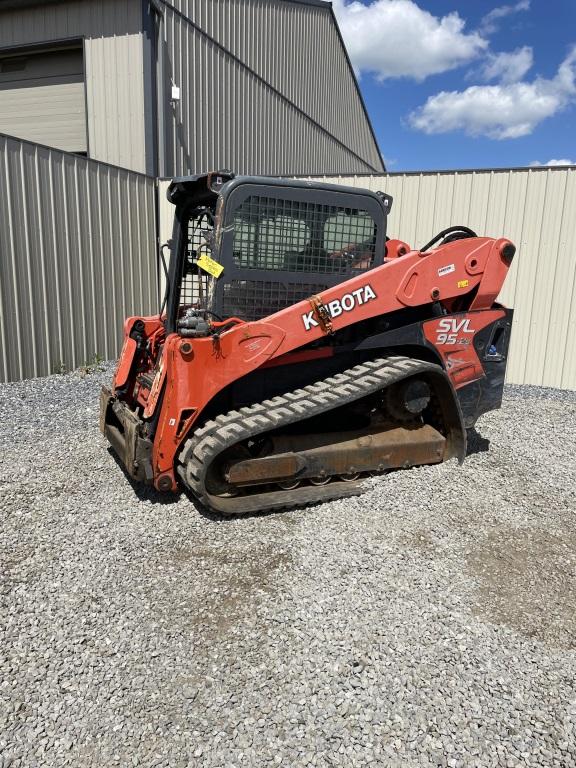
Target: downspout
(157, 12)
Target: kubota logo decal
(347, 303)
(449, 328)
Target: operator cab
(248, 246)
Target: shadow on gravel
(476, 443)
(216, 517)
(145, 492)
(149, 493)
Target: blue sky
(466, 84)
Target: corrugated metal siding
(114, 67)
(535, 209)
(42, 98)
(229, 117)
(53, 114)
(77, 256)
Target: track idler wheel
(406, 400)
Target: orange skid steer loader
(299, 350)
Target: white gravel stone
(429, 622)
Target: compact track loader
(299, 350)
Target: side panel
(492, 347)
(453, 336)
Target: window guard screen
(197, 288)
(302, 236)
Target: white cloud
(553, 162)
(504, 111)
(397, 38)
(489, 23)
(508, 67)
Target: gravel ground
(430, 622)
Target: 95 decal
(451, 330)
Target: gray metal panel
(265, 87)
(113, 57)
(42, 98)
(77, 256)
(49, 114)
(534, 208)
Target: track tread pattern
(206, 443)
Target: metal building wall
(535, 208)
(265, 87)
(77, 256)
(114, 67)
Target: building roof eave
(6, 5)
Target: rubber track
(202, 448)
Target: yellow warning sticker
(208, 264)
(463, 283)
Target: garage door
(42, 98)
